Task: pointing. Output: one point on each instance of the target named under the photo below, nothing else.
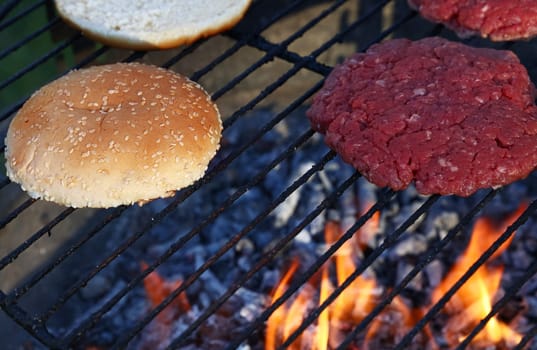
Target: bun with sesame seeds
(150, 24)
(111, 135)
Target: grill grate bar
(385, 197)
(232, 241)
(509, 294)
(222, 165)
(21, 318)
(268, 256)
(19, 292)
(425, 259)
(21, 14)
(16, 212)
(6, 260)
(243, 41)
(278, 48)
(388, 242)
(6, 8)
(478, 263)
(29, 38)
(39, 61)
(264, 45)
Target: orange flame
(469, 305)
(355, 300)
(350, 306)
(278, 316)
(475, 296)
(323, 327)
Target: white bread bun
(151, 24)
(111, 135)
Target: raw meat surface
(498, 20)
(450, 117)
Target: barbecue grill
(275, 59)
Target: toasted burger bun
(111, 135)
(151, 24)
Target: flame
(469, 305)
(323, 327)
(475, 296)
(352, 304)
(355, 301)
(278, 316)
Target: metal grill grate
(252, 36)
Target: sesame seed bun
(111, 135)
(151, 24)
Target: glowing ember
(157, 289)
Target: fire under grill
(280, 236)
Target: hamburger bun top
(150, 24)
(111, 135)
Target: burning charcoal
(413, 244)
(403, 268)
(303, 237)
(530, 245)
(270, 279)
(230, 307)
(531, 302)
(519, 259)
(247, 305)
(248, 313)
(507, 201)
(283, 212)
(240, 214)
(245, 246)
(244, 263)
(440, 225)
(244, 347)
(434, 272)
(211, 284)
(204, 300)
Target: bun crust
(112, 135)
(146, 25)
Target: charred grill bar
(37, 322)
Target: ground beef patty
(453, 118)
(497, 19)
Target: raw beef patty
(496, 19)
(450, 117)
